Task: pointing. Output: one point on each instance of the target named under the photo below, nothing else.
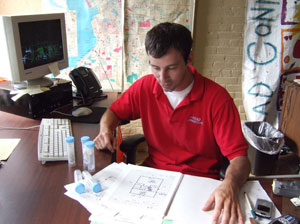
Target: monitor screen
(31, 45)
(43, 47)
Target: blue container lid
(69, 139)
(84, 139)
(96, 187)
(90, 144)
(80, 188)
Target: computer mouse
(81, 111)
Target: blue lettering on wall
(252, 58)
(261, 108)
(260, 30)
(254, 90)
(263, 15)
(267, 2)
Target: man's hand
(225, 198)
(225, 201)
(106, 140)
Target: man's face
(171, 71)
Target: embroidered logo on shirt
(195, 120)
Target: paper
(131, 194)
(54, 69)
(195, 191)
(143, 195)
(146, 189)
(31, 91)
(7, 147)
(295, 201)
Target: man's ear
(190, 58)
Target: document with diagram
(134, 194)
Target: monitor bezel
(22, 74)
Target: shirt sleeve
(228, 131)
(126, 107)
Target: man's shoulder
(214, 86)
(148, 77)
(148, 80)
(208, 84)
(211, 88)
(144, 85)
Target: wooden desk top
(34, 193)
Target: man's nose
(163, 75)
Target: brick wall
(218, 44)
(218, 48)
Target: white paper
(131, 194)
(142, 195)
(54, 69)
(194, 192)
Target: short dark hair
(167, 35)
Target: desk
(283, 204)
(34, 193)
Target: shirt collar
(197, 90)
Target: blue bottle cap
(84, 139)
(90, 144)
(96, 187)
(80, 188)
(69, 139)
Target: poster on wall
(108, 36)
(271, 56)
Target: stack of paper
(130, 194)
(143, 195)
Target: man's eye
(172, 68)
(155, 68)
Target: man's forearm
(238, 170)
(109, 121)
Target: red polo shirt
(191, 139)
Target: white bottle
(79, 186)
(71, 151)
(94, 184)
(84, 139)
(90, 148)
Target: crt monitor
(29, 45)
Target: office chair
(130, 145)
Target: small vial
(71, 151)
(84, 139)
(90, 149)
(95, 185)
(79, 186)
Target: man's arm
(105, 139)
(225, 198)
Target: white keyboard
(51, 139)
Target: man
(189, 121)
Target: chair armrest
(223, 168)
(129, 146)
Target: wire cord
(16, 128)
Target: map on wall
(108, 36)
